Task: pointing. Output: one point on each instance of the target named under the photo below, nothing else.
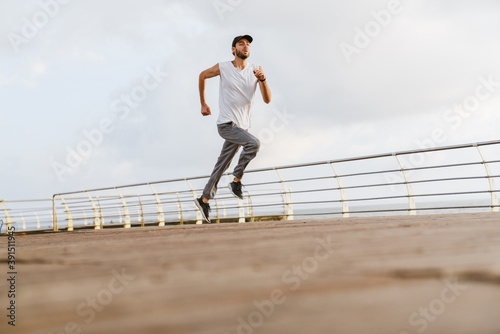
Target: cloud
(27, 77)
(2, 121)
(390, 97)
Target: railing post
(411, 201)
(125, 209)
(54, 214)
(241, 211)
(491, 181)
(68, 213)
(24, 222)
(217, 220)
(159, 207)
(179, 210)
(249, 206)
(224, 210)
(140, 216)
(343, 197)
(241, 207)
(120, 218)
(198, 213)
(97, 220)
(100, 211)
(287, 198)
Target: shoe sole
(201, 211)
(231, 190)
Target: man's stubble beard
(241, 55)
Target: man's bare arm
(264, 88)
(208, 73)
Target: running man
(238, 82)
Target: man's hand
(210, 73)
(205, 110)
(264, 88)
(259, 74)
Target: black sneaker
(204, 209)
(235, 189)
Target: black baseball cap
(239, 38)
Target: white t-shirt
(236, 94)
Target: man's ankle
(237, 180)
(205, 200)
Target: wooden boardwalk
(383, 275)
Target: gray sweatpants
(235, 137)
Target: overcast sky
(105, 93)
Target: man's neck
(239, 63)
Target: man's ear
(233, 49)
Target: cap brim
(247, 37)
(239, 38)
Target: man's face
(242, 49)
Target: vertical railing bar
(180, 214)
(125, 209)
(97, 223)
(54, 214)
(140, 213)
(8, 222)
(217, 220)
(411, 201)
(287, 198)
(24, 221)
(241, 211)
(37, 221)
(199, 219)
(68, 213)
(491, 181)
(224, 210)
(120, 218)
(343, 197)
(159, 207)
(241, 207)
(250, 212)
(283, 199)
(100, 211)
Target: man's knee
(254, 145)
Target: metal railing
(448, 179)
(160, 203)
(26, 215)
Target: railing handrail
(266, 169)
